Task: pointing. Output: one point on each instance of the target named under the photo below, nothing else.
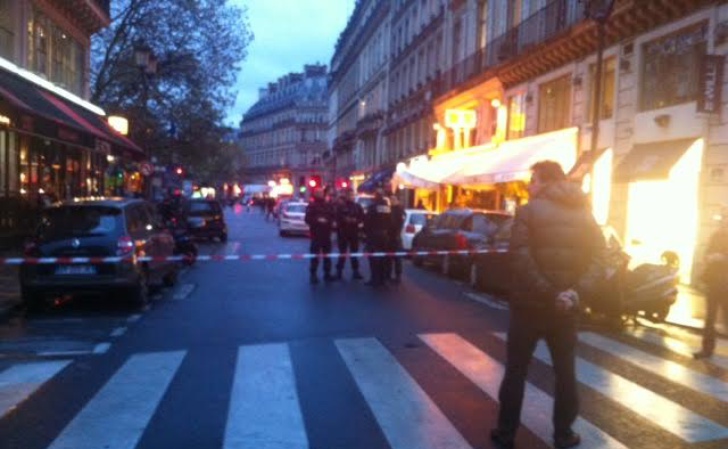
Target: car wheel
(223, 238)
(417, 261)
(32, 299)
(170, 278)
(446, 265)
(282, 233)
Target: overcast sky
(287, 35)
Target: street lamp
(598, 11)
(146, 62)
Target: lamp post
(598, 11)
(146, 62)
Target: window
(674, 60)
(554, 103)
(608, 82)
(516, 116)
(7, 30)
(482, 23)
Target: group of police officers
(379, 226)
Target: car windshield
(421, 219)
(204, 207)
(296, 208)
(77, 221)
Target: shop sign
(26, 123)
(711, 83)
(146, 169)
(67, 135)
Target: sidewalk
(689, 310)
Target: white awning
(512, 160)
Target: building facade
(283, 134)
(53, 142)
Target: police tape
(235, 257)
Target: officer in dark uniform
(320, 220)
(377, 225)
(395, 239)
(349, 222)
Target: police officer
(377, 225)
(395, 239)
(349, 221)
(320, 220)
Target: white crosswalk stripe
(685, 345)
(662, 412)
(116, 417)
(265, 410)
(395, 398)
(20, 381)
(264, 396)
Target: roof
(307, 92)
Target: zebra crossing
(266, 410)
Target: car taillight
(409, 229)
(461, 241)
(124, 246)
(285, 215)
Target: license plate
(76, 269)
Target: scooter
(183, 243)
(647, 291)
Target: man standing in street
(716, 280)
(377, 225)
(557, 254)
(320, 220)
(395, 240)
(349, 222)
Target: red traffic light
(312, 183)
(179, 171)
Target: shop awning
(512, 160)
(45, 113)
(379, 178)
(410, 180)
(651, 160)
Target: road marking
(263, 397)
(119, 331)
(232, 247)
(487, 373)
(672, 371)
(678, 346)
(395, 398)
(116, 417)
(183, 292)
(664, 413)
(62, 353)
(486, 300)
(101, 348)
(134, 318)
(18, 382)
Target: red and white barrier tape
(232, 257)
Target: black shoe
(314, 279)
(571, 439)
(329, 278)
(702, 354)
(356, 276)
(501, 440)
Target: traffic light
(315, 182)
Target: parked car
(212, 213)
(415, 220)
(98, 228)
(292, 220)
(453, 230)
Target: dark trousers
(717, 296)
(524, 331)
(394, 262)
(319, 246)
(377, 265)
(348, 243)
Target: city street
(247, 354)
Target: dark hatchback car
(456, 230)
(211, 212)
(126, 228)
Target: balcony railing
(551, 21)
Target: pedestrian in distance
(394, 263)
(421, 205)
(349, 223)
(377, 225)
(715, 279)
(557, 255)
(320, 220)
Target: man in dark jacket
(714, 276)
(349, 223)
(320, 220)
(377, 225)
(557, 253)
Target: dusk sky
(287, 35)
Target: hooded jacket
(555, 245)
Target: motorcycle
(183, 243)
(646, 291)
